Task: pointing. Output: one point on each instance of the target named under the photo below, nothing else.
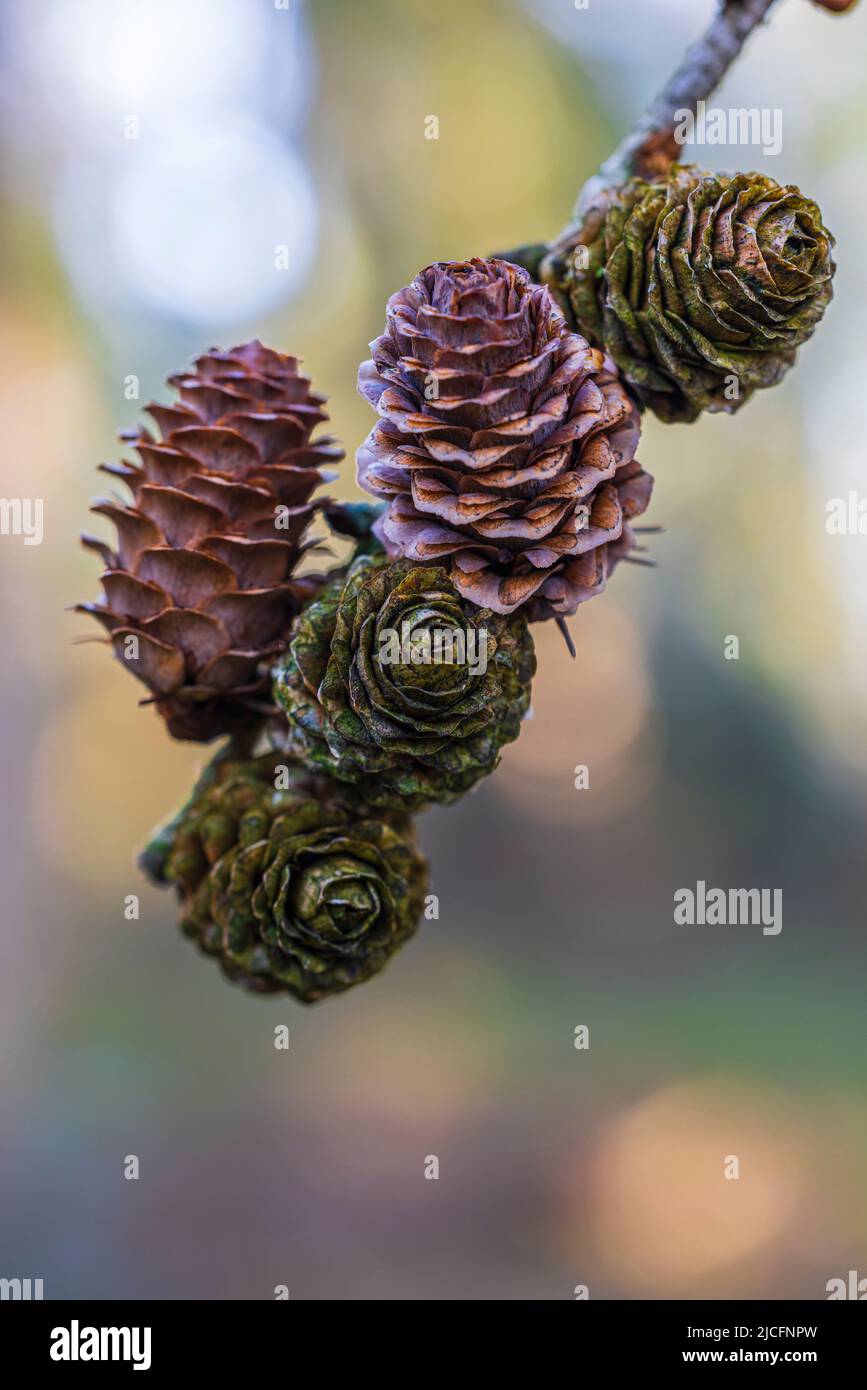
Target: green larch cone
(395, 683)
(292, 886)
(701, 287)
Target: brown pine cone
(200, 592)
(506, 444)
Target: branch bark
(650, 148)
(705, 64)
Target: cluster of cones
(503, 461)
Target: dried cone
(201, 590)
(701, 287)
(289, 884)
(506, 444)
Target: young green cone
(701, 287)
(394, 682)
(290, 884)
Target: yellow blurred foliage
(664, 1217)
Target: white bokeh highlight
(195, 222)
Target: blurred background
(155, 155)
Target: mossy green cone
(701, 287)
(292, 886)
(395, 683)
